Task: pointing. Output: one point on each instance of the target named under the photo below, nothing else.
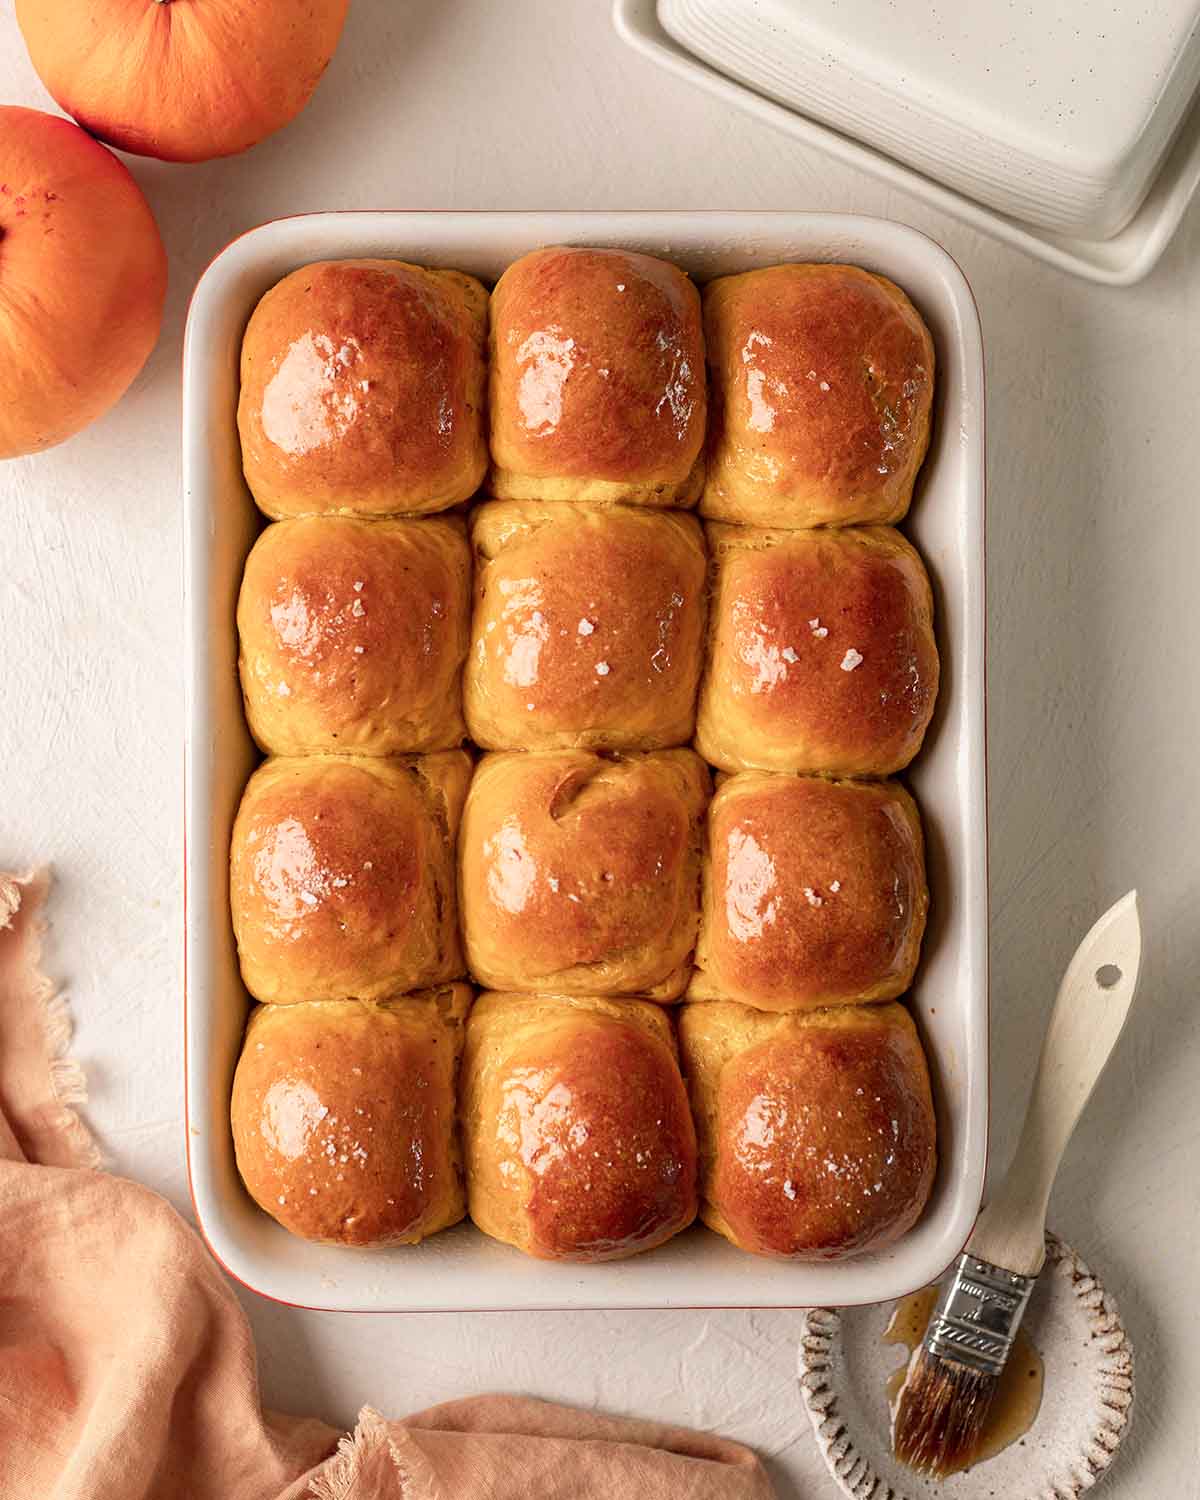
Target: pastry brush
(952, 1378)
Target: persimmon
(83, 274)
(184, 80)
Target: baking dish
(460, 1269)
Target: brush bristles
(940, 1418)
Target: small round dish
(1085, 1410)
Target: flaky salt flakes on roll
(344, 1120)
(578, 1140)
(597, 383)
(821, 383)
(816, 1128)
(363, 391)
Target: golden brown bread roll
(344, 1119)
(822, 655)
(353, 635)
(597, 380)
(580, 873)
(816, 1130)
(588, 627)
(822, 385)
(578, 1140)
(342, 876)
(363, 390)
(814, 892)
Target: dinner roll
(597, 379)
(588, 627)
(822, 384)
(343, 1116)
(816, 1130)
(580, 873)
(342, 876)
(821, 652)
(353, 635)
(577, 1136)
(363, 390)
(814, 892)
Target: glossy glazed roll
(353, 635)
(342, 876)
(597, 384)
(814, 892)
(363, 389)
(816, 1131)
(821, 651)
(588, 627)
(580, 873)
(344, 1120)
(821, 382)
(578, 1140)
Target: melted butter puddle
(1018, 1392)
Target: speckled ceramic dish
(1123, 258)
(1085, 1409)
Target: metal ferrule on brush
(978, 1314)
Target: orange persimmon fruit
(83, 274)
(184, 80)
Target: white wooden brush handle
(1089, 1014)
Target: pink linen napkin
(127, 1370)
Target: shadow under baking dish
(461, 1269)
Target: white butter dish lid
(1056, 115)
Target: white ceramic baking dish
(461, 1269)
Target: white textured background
(1094, 434)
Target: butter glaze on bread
(821, 651)
(580, 873)
(342, 876)
(814, 892)
(578, 1140)
(588, 627)
(576, 652)
(353, 635)
(344, 1120)
(597, 380)
(821, 382)
(363, 387)
(816, 1131)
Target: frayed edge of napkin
(63, 1086)
(338, 1476)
